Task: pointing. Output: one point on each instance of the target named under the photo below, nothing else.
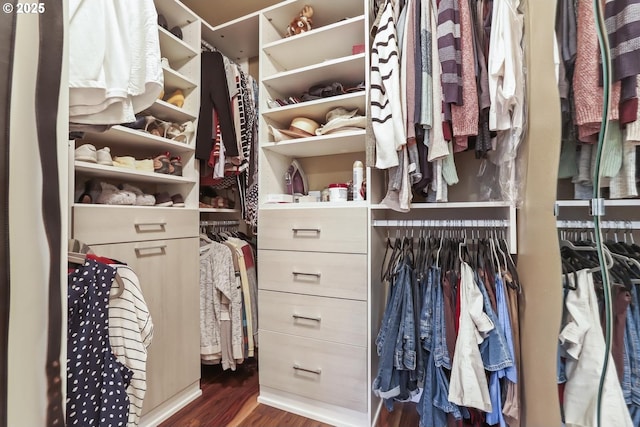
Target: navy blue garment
(96, 381)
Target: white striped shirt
(130, 334)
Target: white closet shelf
(326, 13)
(323, 145)
(346, 70)
(175, 80)
(316, 205)
(113, 172)
(237, 39)
(165, 111)
(176, 12)
(174, 49)
(317, 109)
(124, 137)
(331, 41)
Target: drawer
(314, 273)
(319, 370)
(330, 319)
(96, 224)
(318, 230)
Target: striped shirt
(622, 19)
(450, 51)
(130, 334)
(385, 97)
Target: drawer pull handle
(298, 273)
(299, 316)
(312, 371)
(150, 226)
(305, 230)
(150, 250)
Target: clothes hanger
(80, 258)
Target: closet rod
(225, 223)
(442, 223)
(609, 225)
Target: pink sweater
(588, 95)
(464, 118)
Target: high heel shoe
(187, 132)
(176, 98)
(154, 126)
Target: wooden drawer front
(169, 278)
(114, 224)
(331, 319)
(318, 230)
(329, 372)
(314, 273)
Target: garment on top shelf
(96, 380)
(114, 60)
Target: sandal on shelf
(92, 190)
(186, 134)
(154, 126)
(162, 164)
(172, 130)
(176, 162)
(176, 98)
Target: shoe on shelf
(145, 165)
(176, 162)
(142, 199)
(163, 199)
(86, 153)
(138, 124)
(162, 164)
(188, 129)
(164, 62)
(104, 156)
(154, 126)
(91, 193)
(112, 195)
(178, 200)
(128, 162)
(172, 130)
(162, 21)
(161, 94)
(176, 31)
(176, 98)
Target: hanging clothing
(96, 380)
(582, 340)
(468, 381)
(130, 335)
(214, 93)
(386, 107)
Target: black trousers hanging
(214, 93)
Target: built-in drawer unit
(96, 224)
(331, 319)
(329, 372)
(314, 273)
(319, 230)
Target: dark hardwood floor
(229, 399)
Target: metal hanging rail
(609, 225)
(220, 223)
(442, 223)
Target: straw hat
(300, 127)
